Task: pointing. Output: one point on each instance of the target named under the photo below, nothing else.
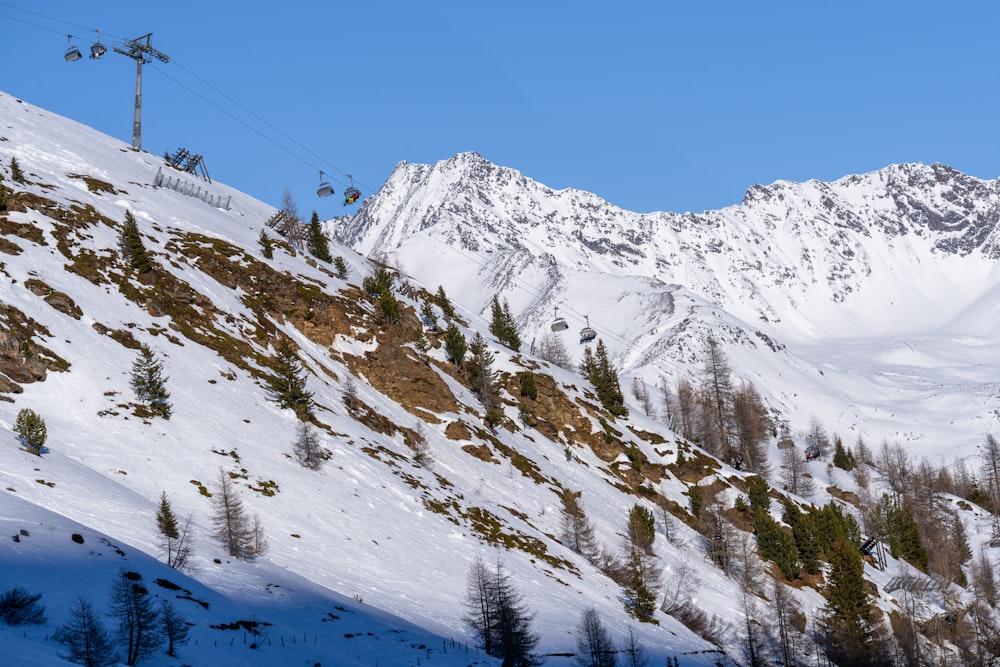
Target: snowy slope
(371, 538)
(363, 525)
(824, 288)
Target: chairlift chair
(72, 53)
(351, 194)
(559, 323)
(587, 334)
(97, 49)
(324, 189)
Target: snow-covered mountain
(368, 554)
(883, 283)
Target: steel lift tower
(141, 51)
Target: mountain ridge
(899, 253)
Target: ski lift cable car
(97, 49)
(559, 323)
(72, 53)
(587, 334)
(351, 194)
(324, 189)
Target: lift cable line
(276, 129)
(350, 183)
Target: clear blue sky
(655, 105)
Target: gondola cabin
(587, 334)
(559, 323)
(351, 194)
(324, 189)
(72, 53)
(812, 452)
(97, 49)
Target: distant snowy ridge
(902, 255)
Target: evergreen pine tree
(511, 335)
(841, 458)
(577, 531)
(454, 345)
(316, 242)
(166, 524)
(529, 389)
(287, 387)
(758, 492)
(174, 539)
(3, 197)
(133, 250)
(148, 383)
(442, 302)
(503, 326)
(389, 307)
(902, 532)
(340, 267)
(777, 545)
(479, 370)
(640, 581)
(427, 315)
(379, 283)
(266, 245)
(641, 528)
(15, 171)
(30, 430)
(850, 628)
(804, 533)
(598, 370)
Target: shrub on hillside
(18, 607)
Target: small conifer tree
(454, 345)
(389, 307)
(427, 315)
(503, 326)
(340, 267)
(316, 241)
(482, 378)
(174, 539)
(442, 302)
(130, 245)
(15, 171)
(597, 368)
(287, 387)
(266, 245)
(529, 389)
(3, 197)
(148, 383)
(30, 429)
(379, 283)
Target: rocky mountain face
(900, 253)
